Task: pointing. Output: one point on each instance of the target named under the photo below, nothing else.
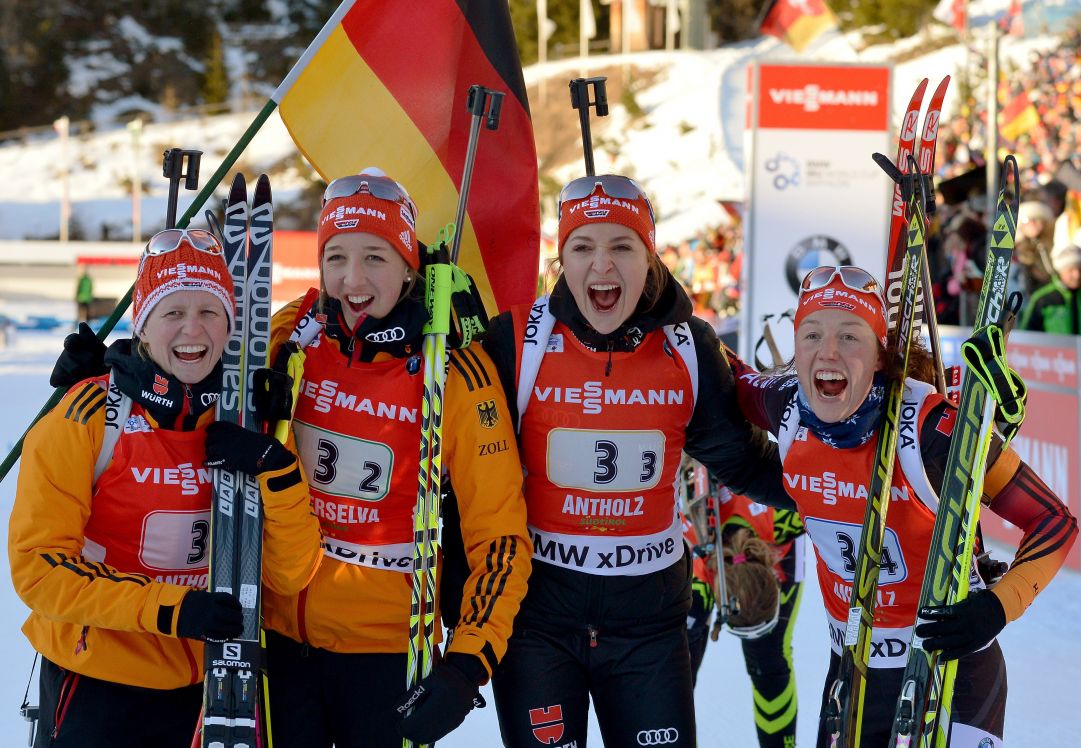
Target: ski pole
(927, 197)
(930, 316)
(172, 168)
(580, 101)
(477, 102)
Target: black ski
(231, 698)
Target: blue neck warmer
(854, 431)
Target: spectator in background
(1056, 308)
(84, 293)
(957, 288)
(1031, 268)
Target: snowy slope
(1043, 649)
(686, 150)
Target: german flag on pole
(797, 23)
(384, 84)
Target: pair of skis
(923, 709)
(441, 280)
(234, 669)
(924, 706)
(844, 710)
(906, 271)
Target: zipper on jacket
(592, 636)
(608, 366)
(67, 691)
(185, 407)
(350, 349)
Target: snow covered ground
(1043, 649)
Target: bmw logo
(412, 364)
(811, 252)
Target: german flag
(797, 22)
(1018, 117)
(384, 84)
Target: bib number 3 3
(589, 460)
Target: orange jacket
(353, 608)
(94, 619)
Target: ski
(895, 246)
(231, 694)
(250, 535)
(926, 692)
(925, 158)
(844, 710)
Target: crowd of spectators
(1051, 81)
(1045, 125)
(708, 266)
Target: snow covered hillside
(686, 147)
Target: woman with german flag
(337, 649)
(608, 379)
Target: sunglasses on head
(169, 240)
(851, 276)
(384, 188)
(613, 185)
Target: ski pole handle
(481, 102)
(172, 168)
(580, 101)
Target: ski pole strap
(294, 366)
(985, 355)
(452, 294)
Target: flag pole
(201, 198)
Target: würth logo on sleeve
(488, 414)
(161, 384)
(547, 724)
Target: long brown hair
(752, 581)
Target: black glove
(234, 447)
(441, 701)
(83, 357)
(963, 628)
(272, 396)
(210, 616)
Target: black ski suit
(620, 640)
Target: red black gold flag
(384, 84)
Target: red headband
(836, 295)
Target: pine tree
(215, 77)
(565, 13)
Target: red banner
(823, 97)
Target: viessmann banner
(815, 197)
